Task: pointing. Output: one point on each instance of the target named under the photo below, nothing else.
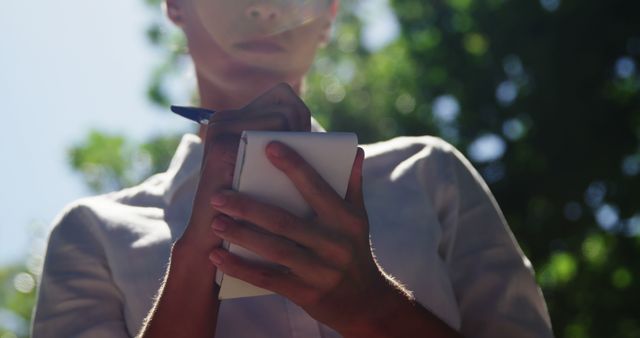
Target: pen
(199, 115)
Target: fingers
(270, 218)
(273, 248)
(324, 200)
(278, 109)
(220, 157)
(333, 247)
(262, 276)
(223, 138)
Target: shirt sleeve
(492, 279)
(76, 296)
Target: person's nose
(264, 11)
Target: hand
(190, 279)
(332, 273)
(277, 109)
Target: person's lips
(267, 46)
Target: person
(417, 248)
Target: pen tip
(200, 115)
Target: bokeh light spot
(347, 42)
(607, 217)
(335, 92)
(513, 129)
(625, 67)
(506, 92)
(512, 66)
(561, 269)
(24, 282)
(487, 148)
(494, 172)
(631, 165)
(575, 330)
(572, 211)
(621, 278)
(594, 249)
(446, 108)
(405, 103)
(460, 4)
(380, 24)
(333, 89)
(476, 44)
(633, 225)
(550, 5)
(595, 193)
(450, 133)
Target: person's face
(249, 40)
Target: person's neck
(215, 97)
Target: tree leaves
(110, 162)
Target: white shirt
(434, 226)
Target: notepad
(331, 154)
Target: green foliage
(159, 150)
(111, 162)
(104, 161)
(17, 297)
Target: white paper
(332, 156)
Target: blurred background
(543, 96)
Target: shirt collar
(186, 162)
(184, 165)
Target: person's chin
(275, 62)
(266, 65)
(260, 74)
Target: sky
(65, 68)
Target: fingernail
(215, 258)
(219, 224)
(218, 200)
(276, 150)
